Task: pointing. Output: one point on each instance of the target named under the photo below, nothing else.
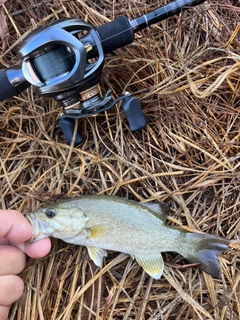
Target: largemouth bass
(110, 223)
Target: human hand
(15, 230)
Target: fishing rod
(64, 61)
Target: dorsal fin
(160, 209)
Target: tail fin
(205, 250)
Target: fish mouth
(37, 233)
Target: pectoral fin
(97, 255)
(153, 265)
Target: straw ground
(185, 70)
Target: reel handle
(131, 107)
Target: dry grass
(186, 72)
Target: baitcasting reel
(65, 59)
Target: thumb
(38, 249)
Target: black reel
(64, 61)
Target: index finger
(14, 226)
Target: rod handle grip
(7, 91)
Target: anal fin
(97, 254)
(153, 265)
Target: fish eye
(50, 213)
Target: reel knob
(67, 127)
(133, 111)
